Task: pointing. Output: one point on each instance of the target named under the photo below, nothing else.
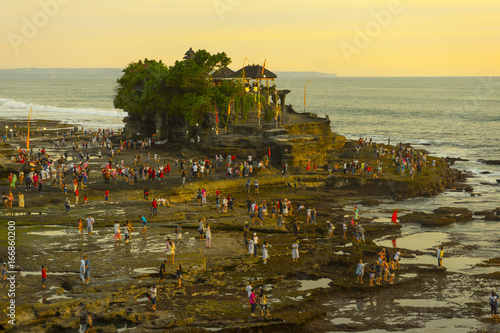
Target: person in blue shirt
(144, 223)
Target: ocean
(449, 116)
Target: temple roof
(255, 72)
(189, 54)
(224, 74)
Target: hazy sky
(350, 38)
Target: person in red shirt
(44, 276)
(106, 196)
(168, 169)
(154, 206)
(77, 196)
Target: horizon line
(288, 71)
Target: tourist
(313, 215)
(249, 289)
(295, 251)
(178, 273)
(178, 231)
(256, 184)
(80, 228)
(263, 303)
(44, 276)
(246, 230)
(21, 200)
(247, 186)
(392, 272)
(208, 236)
(172, 252)
(90, 328)
(296, 228)
(162, 272)
(183, 175)
(146, 193)
(201, 228)
(231, 201)
(360, 271)
(249, 202)
(82, 270)
(344, 227)
(168, 250)
(251, 247)
(87, 269)
(144, 223)
(198, 196)
(385, 268)
(117, 236)
(397, 257)
(224, 205)
(378, 271)
(494, 305)
(106, 196)
(203, 197)
(265, 253)
(90, 224)
(152, 297)
(126, 232)
(4, 271)
(67, 205)
(279, 223)
(130, 229)
(371, 272)
(440, 254)
(253, 303)
(255, 243)
(361, 233)
(154, 206)
(329, 229)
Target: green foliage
(184, 90)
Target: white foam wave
(82, 112)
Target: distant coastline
(116, 72)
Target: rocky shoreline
(316, 294)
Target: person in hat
(329, 229)
(255, 244)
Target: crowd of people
(45, 168)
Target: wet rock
(370, 202)
(492, 217)
(50, 310)
(452, 160)
(442, 216)
(485, 172)
(490, 162)
(98, 307)
(106, 329)
(115, 315)
(482, 212)
(458, 214)
(140, 317)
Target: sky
(349, 38)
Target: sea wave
(8, 104)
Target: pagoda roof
(255, 72)
(223, 74)
(189, 54)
